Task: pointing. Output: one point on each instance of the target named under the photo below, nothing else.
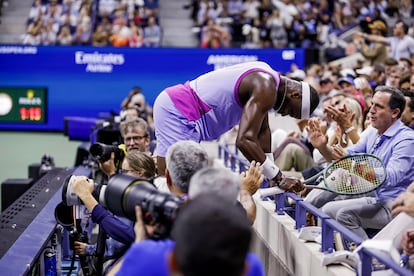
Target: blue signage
(86, 81)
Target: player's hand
(292, 184)
(288, 183)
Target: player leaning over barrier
(206, 107)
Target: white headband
(305, 100)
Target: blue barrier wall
(84, 81)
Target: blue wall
(84, 81)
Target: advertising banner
(58, 82)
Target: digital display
(23, 105)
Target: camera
(102, 152)
(122, 194)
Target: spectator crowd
(218, 23)
(132, 23)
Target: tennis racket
(353, 174)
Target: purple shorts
(171, 125)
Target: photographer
(135, 106)
(185, 158)
(220, 185)
(135, 134)
(120, 230)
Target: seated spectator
(32, 36)
(407, 116)
(378, 76)
(100, 36)
(348, 117)
(136, 38)
(36, 10)
(412, 83)
(211, 35)
(347, 86)
(394, 76)
(362, 85)
(404, 83)
(106, 7)
(326, 90)
(406, 65)
(82, 35)
(389, 139)
(277, 25)
(64, 37)
(152, 33)
(389, 63)
(151, 8)
(49, 35)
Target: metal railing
(232, 160)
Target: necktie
(377, 143)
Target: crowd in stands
(289, 23)
(219, 23)
(132, 23)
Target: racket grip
(270, 191)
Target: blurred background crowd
(311, 24)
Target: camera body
(123, 193)
(102, 152)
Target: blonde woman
(139, 164)
(349, 120)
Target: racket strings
(355, 175)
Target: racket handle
(313, 178)
(314, 187)
(270, 191)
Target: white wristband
(346, 133)
(270, 170)
(349, 130)
(270, 155)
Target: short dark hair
(397, 99)
(405, 26)
(409, 94)
(406, 77)
(314, 99)
(212, 237)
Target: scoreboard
(23, 105)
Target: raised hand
(252, 179)
(315, 134)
